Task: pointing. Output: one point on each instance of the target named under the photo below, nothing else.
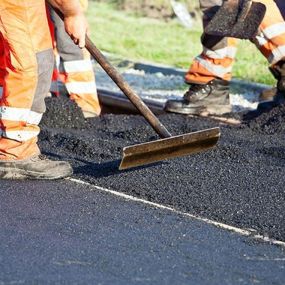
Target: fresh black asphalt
(62, 232)
(240, 182)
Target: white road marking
(264, 259)
(243, 232)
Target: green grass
(144, 39)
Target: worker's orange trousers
(77, 71)
(218, 55)
(26, 70)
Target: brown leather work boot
(36, 167)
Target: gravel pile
(267, 122)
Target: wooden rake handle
(126, 89)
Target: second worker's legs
(79, 76)
(209, 74)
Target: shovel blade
(237, 22)
(176, 146)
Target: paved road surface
(69, 233)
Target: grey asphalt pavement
(62, 232)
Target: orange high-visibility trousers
(2, 68)
(78, 75)
(271, 37)
(218, 55)
(27, 67)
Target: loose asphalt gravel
(240, 182)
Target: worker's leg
(271, 42)
(2, 69)
(209, 73)
(28, 61)
(271, 37)
(217, 57)
(79, 74)
(54, 88)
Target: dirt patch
(148, 9)
(156, 8)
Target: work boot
(36, 167)
(209, 98)
(277, 99)
(277, 93)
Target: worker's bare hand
(76, 26)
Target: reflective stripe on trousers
(271, 38)
(28, 62)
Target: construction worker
(28, 63)
(211, 71)
(77, 75)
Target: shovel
(168, 146)
(237, 18)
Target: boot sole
(210, 110)
(20, 174)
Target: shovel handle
(126, 89)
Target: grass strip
(169, 43)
